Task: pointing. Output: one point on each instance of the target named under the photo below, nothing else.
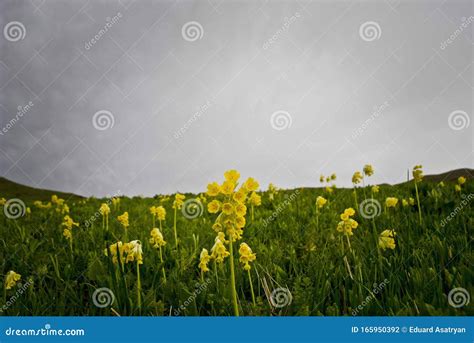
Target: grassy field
(304, 265)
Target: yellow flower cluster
(128, 252)
(3, 201)
(410, 201)
(156, 239)
(40, 205)
(246, 255)
(357, 177)
(255, 199)
(231, 220)
(391, 202)
(115, 203)
(158, 211)
(204, 259)
(219, 251)
(347, 224)
(104, 209)
(368, 170)
(123, 219)
(61, 206)
(272, 191)
(375, 189)
(68, 224)
(387, 239)
(178, 201)
(11, 279)
(320, 201)
(417, 173)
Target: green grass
(313, 262)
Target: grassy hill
(10, 189)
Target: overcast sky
(147, 97)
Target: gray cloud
(185, 111)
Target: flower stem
(162, 266)
(232, 280)
(251, 287)
(418, 201)
(174, 227)
(139, 288)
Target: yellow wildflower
(333, 176)
(178, 201)
(240, 209)
(457, 188)
(232, 176)
(123, 219)
(214, 206)
(320, 201)
(3, 201)
(156, 239)
(417, 173)
(255, 199)
(357, 177)
(461, 180)
(68, 234)
(411, 201)
(204, 259)
(404, 203)
(391, 202)
(246, 255)
(387, 239)
(219, 251)
(375, 189)
(11, 279)
(68, 222)
(321, 178)
(213, 189)
(161, 213)
(134, 252)
(227, 208)
(250, 185)
(104, 209)
(227, 187)
(368, 170)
